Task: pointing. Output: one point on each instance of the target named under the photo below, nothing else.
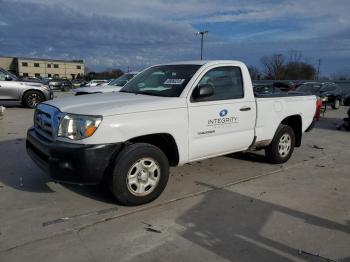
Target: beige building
(37, 67)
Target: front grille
(46, 120)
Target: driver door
(223, 122)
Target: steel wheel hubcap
(143, 177)
(284, 145)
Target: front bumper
(70, 163)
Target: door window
(227, 83)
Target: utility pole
(202, 33)
(318, 69)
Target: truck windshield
(166, 80)
(121, 81)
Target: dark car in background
(330, 93)
(271, 88)
(346, 99)
(60, 84)
(31, 79)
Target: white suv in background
(114, 86)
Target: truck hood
(97, 89)
(115, 103)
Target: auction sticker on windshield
(174, 81)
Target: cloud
(50, 30)
(138, 33)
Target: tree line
(282, 67)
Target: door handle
(246, 108)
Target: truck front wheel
(282, 145)
(139, 175)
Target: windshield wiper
(140, 93)
(147, 93)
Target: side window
(226, 81)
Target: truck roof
(202, 62)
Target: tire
(139, 174)
(279, 152)
(336, 104)
(32, 98)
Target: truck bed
(273, 108)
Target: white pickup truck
(167, 115)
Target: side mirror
(203, 91)
(8, 78)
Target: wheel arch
(31, 90)
(296, 123)
(163, 141)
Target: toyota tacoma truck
(168, 115)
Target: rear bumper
(70, 163)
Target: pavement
(230, 208)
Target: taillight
(318, 108)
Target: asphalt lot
(231, 208)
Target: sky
(135, 34)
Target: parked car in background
(28, 93)
(107, 83)
(96, 82)
(113, 86)
(346, 99)
(263, 89)
(330, 93)
(60, 84)
(122, 80)
(32, 79)
(78, 83)
(270, 88)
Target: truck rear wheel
(139, 175)
(282, 145)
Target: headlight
(78, 126)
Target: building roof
(44, 59)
